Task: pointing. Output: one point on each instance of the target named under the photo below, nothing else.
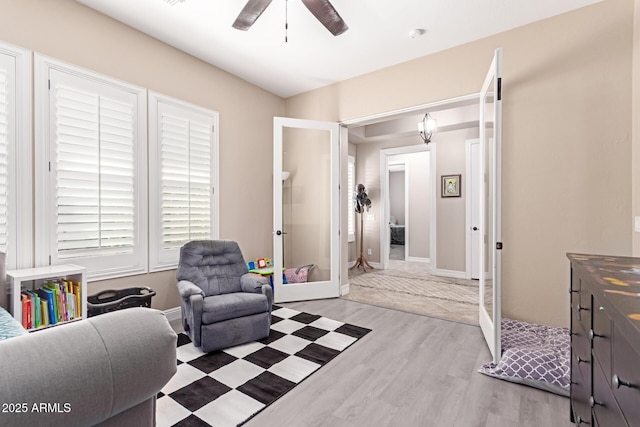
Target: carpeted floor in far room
(408, 286)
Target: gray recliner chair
(222, 303)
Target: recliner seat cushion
(233, 305)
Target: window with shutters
(92, 171)
(351, 185)
(183, 151)
(15, 158)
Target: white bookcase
(33, 278)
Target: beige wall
(635, 158)
(451, 211)
(71, 32)
(566, 179)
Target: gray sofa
(106, 370)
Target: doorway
(406, 205)
(408, 284)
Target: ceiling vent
(173, 2)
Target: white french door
(490, 205)
(306, 212)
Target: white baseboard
(344, 289)
(418, 259)
(449, 273)
(174, 313)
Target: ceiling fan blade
(324, 11)
(250, 13)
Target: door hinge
(49, 84)
(213, 190)
(49, 166)
(49, 259)
(499, 246)
(499, 89)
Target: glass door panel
(306, 209)
(490, 209)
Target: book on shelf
(53, 302)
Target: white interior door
(490, 205)
(306, 214)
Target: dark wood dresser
(605, 340)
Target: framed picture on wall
(451, 185)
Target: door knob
(475, 228)
(280, 233)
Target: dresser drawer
(626, 378)
(580, 393)
(600, 335)
(577, 327)
(581, 310)
(605, 408)
(580, 301)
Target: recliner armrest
(266, 290)
(251, 282)
(187, 288)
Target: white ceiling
(378, 34)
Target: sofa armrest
(253, 283)
(90, 370)
(187, 288)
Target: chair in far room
(223, 305)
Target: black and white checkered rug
(227, 387)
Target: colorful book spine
(53, 302)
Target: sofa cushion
(9, 327)
(228, 306)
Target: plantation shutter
(96, 181)
(95, 173)
(182, 139)
(5, 118)
(186, 180)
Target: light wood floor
(411, 370)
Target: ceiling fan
(323, 10)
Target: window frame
(166, 259)
(99, 267)
(20, 170)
